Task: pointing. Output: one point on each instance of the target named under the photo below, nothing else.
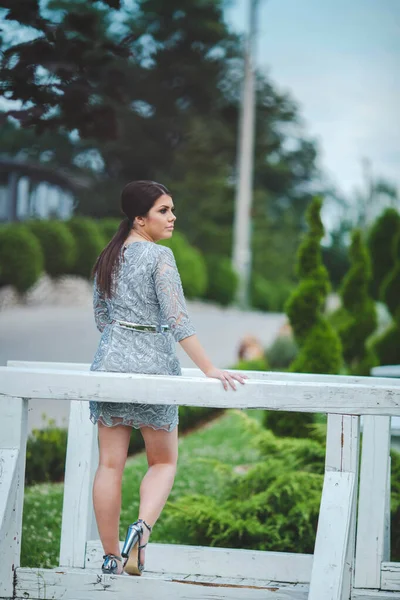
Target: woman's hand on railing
(225, 377)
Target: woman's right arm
(196, 352)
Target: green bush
(255, 364)
(108, 228)
(273, 506)
(380, 243)
(89, 243)
(282, 352)
(45, 454)
(387, 346)
(360, 310)
(267, 296)
(191, 265)
(57, 243)
(222, 280)
(21, 257)
(319, 345)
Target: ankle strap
(112, 556)
(144, 523)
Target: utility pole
(245, 157)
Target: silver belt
(138, 327)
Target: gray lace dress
(147, 290)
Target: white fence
(342, 565)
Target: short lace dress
(147, 290)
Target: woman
(140, 309)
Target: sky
(340, 60)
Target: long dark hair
(137, 198)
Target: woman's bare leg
(113, 445)
(162, 457)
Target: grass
(224, 439)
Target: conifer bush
(387, 345)
(319, 345)
(89, 243)
(222, 280)
(360, 318)
(380, 243)
(57, 243)
(21, 257)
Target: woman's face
(160, 220)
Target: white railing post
(332, 572)
(372, 529)
(78, 521)
(13, 435)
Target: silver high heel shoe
(110, 565)
(132, 547)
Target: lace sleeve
(170, 295)
(101, 314)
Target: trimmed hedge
(191, 265)
(89, 243)
(108, 228)
(222, 280)
(57, 243)
(268, 296)
(21, 257)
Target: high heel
(132, 547)
(110, 565)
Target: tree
(381, 240)
(359, 310)
(319, 345)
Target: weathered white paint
(361, 594)
(332, 540)
(222, 562)
(307, 396)
(390, 576)
(195, 372)
(78, 521)
(370, 546)
(13, 434)
(342, 455)
(64, 584)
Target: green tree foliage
(21, 257)
(57, 243)
(360, 318)
(158, 96)
(380, 243)
(387, 345)
(222, 279)
(319, 345)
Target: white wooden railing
(341, 567)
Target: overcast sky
(340, 59)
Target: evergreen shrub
(21, 257)
(319, 345)
(89, 243)
(57, 243)
(282, 353)
(108, 228)
(191, 265)
(359, 308)
(268, 296)
(45, 454)
(380, 243)
(387, 344)
(273, 505)
(222, 280)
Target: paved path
(54, 333)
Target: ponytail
(108, 260)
